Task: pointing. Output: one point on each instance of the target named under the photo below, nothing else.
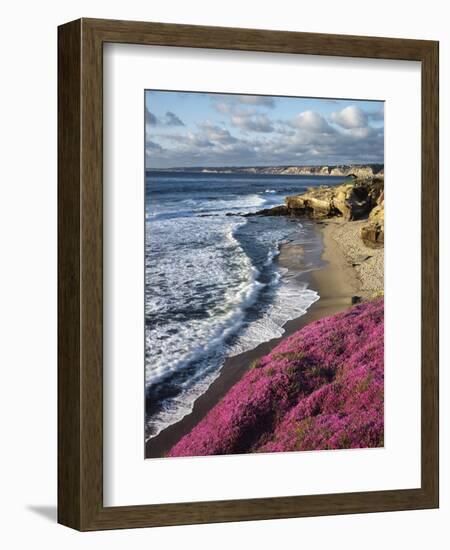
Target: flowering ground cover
(320, 388)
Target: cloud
(253, 123)
(169, 119)
(312, 122)
(239, 107)
(350, 117)
(223, 108)
(377, 115)
(216, 133)
(197, 140)
(231, 100)
(153, 146)
(262, 100)
(215, 146)
(308, 138)
(150, 118)
(153, 152)
(362, 132)
(234, 108)
(244, 111)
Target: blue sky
(204, 129)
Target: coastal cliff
(358, 170)
(321, 388)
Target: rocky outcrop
(353, 200)
(372, 234)
(275, 211)
(316, 203)
(356, 199)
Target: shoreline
(336, 283)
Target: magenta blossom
(321, 388)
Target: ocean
(213, 287)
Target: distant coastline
(358, 170)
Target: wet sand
(336, 283)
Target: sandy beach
(366, 264)
(350, 269)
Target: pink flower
(321, 388)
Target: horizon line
(203, 166)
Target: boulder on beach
(372, 234)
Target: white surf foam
(194, 265)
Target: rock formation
(355, 199)
(372, 234)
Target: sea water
(213, 287)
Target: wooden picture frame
(80, 272)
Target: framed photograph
(248, 274)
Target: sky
(185, 129)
